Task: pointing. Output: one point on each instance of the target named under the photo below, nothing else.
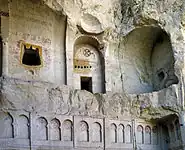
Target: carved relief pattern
(86, 58)
(119, 133)
(87, 52)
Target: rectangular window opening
(86, 83)
(31, 55)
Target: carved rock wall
(40, 112)
(39, 131)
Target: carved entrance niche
(88, 63)
(6, 125)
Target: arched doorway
(88, 65)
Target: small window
(31, 55)
(86, 83)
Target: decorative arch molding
(91, 40)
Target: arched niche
(128, 133)
(55, 133)
(147, 60)
(96, 132)
(113, 133)
(23, 127)
(121, 133)
(41, 129)
(67, 127)
(155, 135)
(148, 134)
(6, 125)
(88, 65)
(140, 135)
(83, 132)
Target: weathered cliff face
(143, 51)
(130, 51)
(141, 43)
(117, 19)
